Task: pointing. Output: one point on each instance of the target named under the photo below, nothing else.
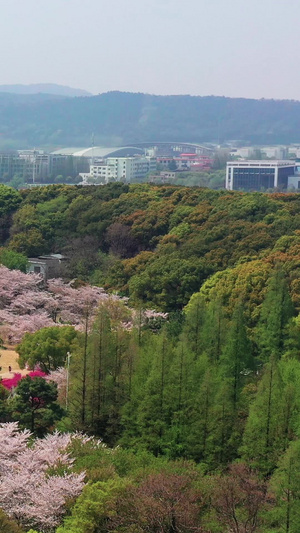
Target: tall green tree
(197, 419)
(47, 347)
(237, 361)
(34, 405)
(185, 402)
(143, 348)
(264, 440)
(195, 315)
(153, 410)
(276, 312)
(100, 373)
(214, 329)
(224, 436)
(285, 485)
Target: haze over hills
(117, 118)
(45, 88)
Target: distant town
(250, 168)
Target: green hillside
(198, 408)
(155, 244)
(116, 118)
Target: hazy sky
(243, 48)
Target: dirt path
(9, 357)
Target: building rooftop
(262, 162)
(56, 257)
(100, 151)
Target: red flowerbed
(10, 383)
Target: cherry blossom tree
(14, 326)
(60, 377)
(14, 283)
(26, 305)
(27, 492)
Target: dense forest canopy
(116, 118)
(198, 407)
(156, 244)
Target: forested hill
(43, 88)
(159, 244)
(117, 118)
(203, 402)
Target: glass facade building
(259, 175)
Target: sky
(237, 48)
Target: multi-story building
(193, 162)
(10, 165)
(122, 168)
(259, 175)
(37, 166)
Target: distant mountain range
(118, 118)
(44, 88)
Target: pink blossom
(59, 377)
(150, 313)
(27, 306)
(27, 492)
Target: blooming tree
(26, 305)
(60, 377)
(15, 326)
(27, 492)
(73, 304)
(13, 283)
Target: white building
(122, 169)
